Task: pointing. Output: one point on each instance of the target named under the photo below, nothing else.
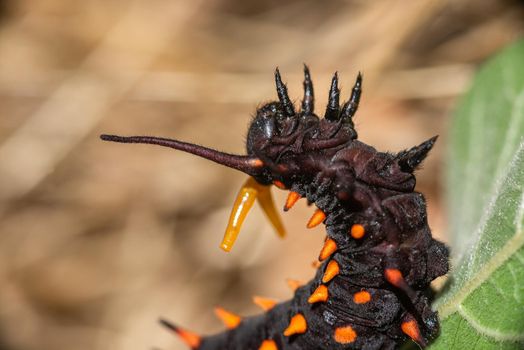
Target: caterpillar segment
(378, 259)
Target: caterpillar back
(378, 259)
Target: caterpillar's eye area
(249, 192)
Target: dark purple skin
(352, 183)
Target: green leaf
(482, 307)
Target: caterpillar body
(371, 289)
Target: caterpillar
(372, 288)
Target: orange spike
(320, 295)
(362, 297)
(316, 219)
(265, 304)
(292, 198)
(268, 345)
(357, 231)
(332, 270)
(345, 335)
(191, 339)
(279, 184)
(297, 325)
(330, 246)
(229, 319)
(410, 328)
(294, 284)
(394, 276)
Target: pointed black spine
(308, 102)
(410, 159)
(333, 107)
(289, 110)
(351, 106)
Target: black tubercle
(377, 230)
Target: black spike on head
(283, 97)
(308, 103)
(333, 107)
(410, 159)
(351, 106)
(247, 164)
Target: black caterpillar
(379, 257)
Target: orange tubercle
(268, 345)
(357, 231)
(394, 276)
(345, 335)
(265, 304)
(317, 218)
(279, 184)
(320, 295)
(410, 328)
(332, 270)
(292, 198)
(294, 284)
(229, 319)
(191, 339)
(256, 162)
(330, 246)
(297, 325)
(362, 297)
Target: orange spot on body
(279, 184)
(292, 198)
(362, 297)
(265, 304)
(268, 345)
(332, 270)
(410, 328)
(297, 325)
(229, 319)
(330, 246)
(316, 219)
(191, 339)
(357, 231)
(294, 284)
(345, 335)
(320, 295)
(394, 276)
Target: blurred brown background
(98, 240)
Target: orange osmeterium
(229, 319)
(332, 270)
(268, 345)
(394, 276)
(362, 297)
(320, 295)
(191, 339)
(357, 231)
(345, 335)
(265, 304)
(410, 328)
(249, 192)
(292, 198)
(330, 246)
(316, 219)
(297, 325)
(294, 284)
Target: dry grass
(98, 240)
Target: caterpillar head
(279, 132)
